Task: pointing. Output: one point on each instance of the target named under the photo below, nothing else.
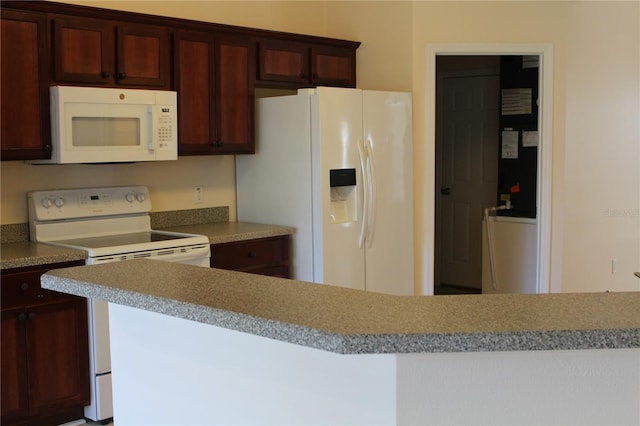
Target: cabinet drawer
(23, 288)
(251, 254)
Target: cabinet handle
(47, 148)
(252, 255)
(22, 316)
(106, 74)
(24, 286)
(122, 75)
(31, 315)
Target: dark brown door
(333, 66)
(143, 56)
(283, 62)
(24, 97)
(83, 51)
(235, 98)
(195, 82)
(57, 353)
(15, 392)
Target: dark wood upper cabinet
(213, 77)
(24, 94)
(283, 62)
(293, 64)
(194, 75)
(235, 94)
(144, 55)
(333, 66)
(98, 52)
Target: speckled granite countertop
(351, 321)
(225, 232)
(23, 254)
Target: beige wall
(596, 109)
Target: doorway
(432, 272)
(467, 121)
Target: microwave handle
(153, 128)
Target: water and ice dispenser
(343, 195)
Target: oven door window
(105, 131)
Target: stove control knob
(140, 196)
(46, 203)
(130, 197)
(59, 202)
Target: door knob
(445, 191)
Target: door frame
(545, 129)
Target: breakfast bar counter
(207, 346)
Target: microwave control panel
(165, 126)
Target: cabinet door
(235, 98)
(83, 51)
(194, 76)
(58, 361)
(24, 94)
(143, 56)
(15, 394)
(333, 66)
(283, 62)
(45, 357)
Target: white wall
(602, 147)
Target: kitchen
(392, 58)
(587, 231)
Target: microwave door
(99, 133)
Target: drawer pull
(24, 286)
(252, 255)
(22, 316)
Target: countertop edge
(613, 338)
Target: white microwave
(106, 125)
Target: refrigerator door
(274, 185)
(337, 144)
(387, 118)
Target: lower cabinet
(45, 358)
(264, 256)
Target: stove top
(121, 240)
(110, 224)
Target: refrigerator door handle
(371, 207)
(362, 156)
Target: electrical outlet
(197, 194)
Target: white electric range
(111, 224)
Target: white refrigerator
(336, 164)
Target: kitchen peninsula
(206, 346)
